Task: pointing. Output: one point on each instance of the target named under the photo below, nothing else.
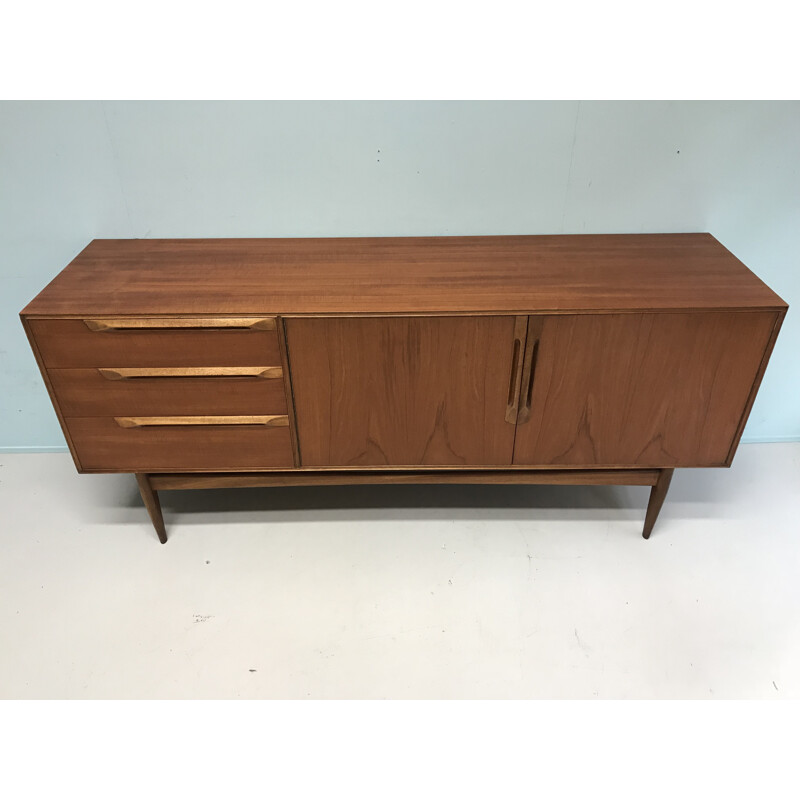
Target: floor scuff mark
(586, 649)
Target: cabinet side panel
(756, 384)
(402, 391)
(288, 392)
(53, 399)
(642, 390)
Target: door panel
(404, 391)
(649, 390)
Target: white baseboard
(63, 449)
(55, 448)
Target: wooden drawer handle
(125, 373)
(156, 323)
(274, 421)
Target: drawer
(156, 342)
(188, 444)
(164, 391)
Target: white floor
(402, 592)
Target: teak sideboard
(594, 359)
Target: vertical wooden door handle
(515, 381)
(529, 369)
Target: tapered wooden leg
(657, 495)
(151, 503)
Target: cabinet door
(404, 391)
(637, 390)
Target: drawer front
(152, 342)
(128, 444)
(159, 391)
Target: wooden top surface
(482, 274)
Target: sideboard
(592, 359)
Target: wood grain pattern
(68, 343)
(168, 323)
(647, 390)
(85, 393)
(102, 445)
(310, 478)
(472, 274)
(402, 391)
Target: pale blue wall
(70, 172)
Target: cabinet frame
(536, 278)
